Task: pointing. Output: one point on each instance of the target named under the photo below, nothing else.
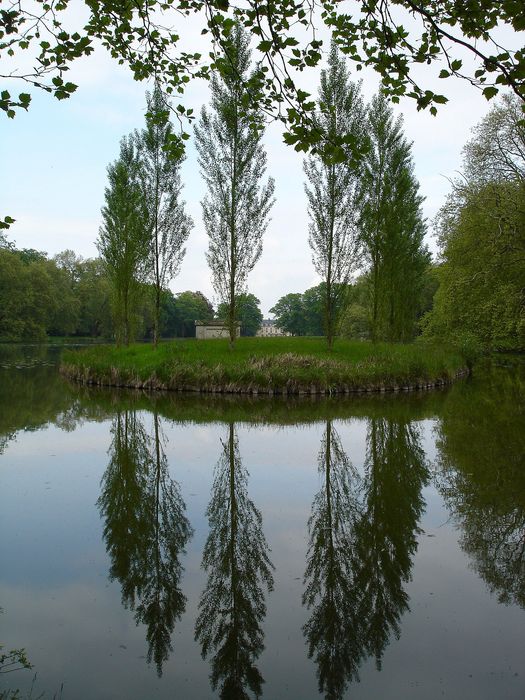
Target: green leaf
(264, 45)
(490, 92)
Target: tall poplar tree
(331, 189)
(123, 237)
(233, 164)
(392, 226)
(168, 224)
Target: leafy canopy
(147, 37)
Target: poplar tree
(332, 186)
(123, 237)
(233, 164)
(168, 224)
(392, 226)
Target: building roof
(215, 323)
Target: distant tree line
(67, 295)
(303, 313)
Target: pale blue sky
(54, 159)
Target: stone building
(213, 329)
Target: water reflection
(333, 630)
(386, 534)
(361, 552)
(362, 542)
(481, 445)
(236, 559)
(32, 393)
(146, 529)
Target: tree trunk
(156, 318)
(233, 260)
(375, 294)
(126, 319)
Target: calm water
(182, 547)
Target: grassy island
(266, 366)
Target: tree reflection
(146, 529)
(386, 535)
(32, 394)
(362, 540)
(333, 630)
(235, 556)
(481, 445)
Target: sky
(53, 162)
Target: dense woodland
(366, 233)
(68, 296)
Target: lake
(170, 546)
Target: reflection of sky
(60, 605)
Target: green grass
(265, 365)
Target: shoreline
(153, 384)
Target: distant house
(213, 329)
(268, 328)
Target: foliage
(391, 227)
(123, 237)
(313, 305)
(481, 278)
(4, 243)
(429, 287)
(355, 318)
(13, 660)
(482, 234)
(331, 188)
(496, 151)
(393, 37)
(289, 313)
(37, 297)
(188, 308)
(248, 313)
(71, 296)
(93, 290)
(5, 223)
(159, 175)
(233, 164)
(302, 314)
